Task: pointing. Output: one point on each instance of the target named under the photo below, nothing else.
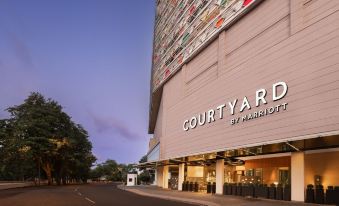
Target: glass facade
(201, 175)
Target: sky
(92, 56)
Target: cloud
(21, 50)
(104, 124)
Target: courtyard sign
(236, 106)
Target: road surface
(78, 195)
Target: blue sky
(93, 57)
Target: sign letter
(232, 105)
(245, 103)
(260, 96)
(184, 126)
(284, 92)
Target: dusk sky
(93, 57)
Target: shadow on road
(78, 195)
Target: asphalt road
(78, 195)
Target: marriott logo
(238, 106)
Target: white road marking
(89, 200)
(86, 198)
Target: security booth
(132, 179)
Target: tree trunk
(64, 180)
(48, 170)
(58, 179)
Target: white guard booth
(132, 179)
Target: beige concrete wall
(159, 125)
(278, 41)
(324, 164)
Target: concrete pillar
(181, 175)
(155, 176)
(165, 177)
(159, 176)
(219, 176)
(297, 176)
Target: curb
(6, 186)
(166, 197)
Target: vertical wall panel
(260, 50)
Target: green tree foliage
(110, 170)
(39, 134)
(143, 160)
(129, 168)
(145, 175)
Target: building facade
(245, 93)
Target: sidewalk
(9, 185)
(205, 199)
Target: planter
(272, 192)
(319, 194)
(279, 193)
(209, 187)
(309, 194)
(287, 193)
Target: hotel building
(245, 98)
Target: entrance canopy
(235, 157)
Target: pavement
(8, 185)
(206, 199)
(79, 195)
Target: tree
(143, 160)
(129, 168)
(145, 175)
(112, 171)
(14, 163)
(39, 131)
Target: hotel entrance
(295, 170)
(265, 177)
(200, 178)
(265, 171)
(274, 171)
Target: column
(219, 176)
(155, 176)
(297, 176)
(165, 177)
(159, 176)
(181, 175)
